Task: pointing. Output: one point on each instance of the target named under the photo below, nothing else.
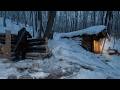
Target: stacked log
(38, 48)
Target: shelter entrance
(97, 46)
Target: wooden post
(103, 45)
(7, 46)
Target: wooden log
(32, 54)
(37, 43)
(36, 55)
(40, 50)
(7, 47)
(33, 48)
(36, 40)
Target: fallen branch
(113, 52)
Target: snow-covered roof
(89, 31)
(92, 30)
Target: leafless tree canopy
(47, 22)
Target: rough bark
(51, 16)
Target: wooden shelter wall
(87, 43)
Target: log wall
(87, 43)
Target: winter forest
(59, 45)
(72, 20)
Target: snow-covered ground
(69, 61)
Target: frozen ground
(69, 61)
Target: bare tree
(40, 29)
(4, 19)
(49, 31)
(108, 20)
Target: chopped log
(39, 46)
(32, 54)
(33, 42)
(39, 55)
(36, 40)
(40, 50)
(34, 46)
(36, 43)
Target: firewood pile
(38, 48)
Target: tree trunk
(18, 20)
(40, 30)
(108, 21)
(4, 19)
(51, 16)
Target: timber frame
(88, 41)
